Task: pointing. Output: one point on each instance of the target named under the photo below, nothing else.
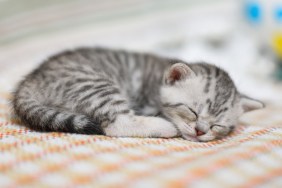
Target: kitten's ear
(177, 72)
(249, 104)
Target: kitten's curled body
(120, 93)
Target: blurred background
(242, 36)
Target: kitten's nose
(198, 132)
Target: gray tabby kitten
(126, 94)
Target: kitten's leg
(105, 103)
(141, 126)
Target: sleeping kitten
(126, 94)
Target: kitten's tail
(49, 118)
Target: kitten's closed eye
(221, 130)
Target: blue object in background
(278, 13)
(253, 11)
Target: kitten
(126, 94)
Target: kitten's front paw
(166, 129)
(157, 127)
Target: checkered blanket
(249, 157)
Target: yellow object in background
(277, 44)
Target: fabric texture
(249, 157)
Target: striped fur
(119, 93)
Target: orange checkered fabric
(251, 156)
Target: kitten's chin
(203, 138)
(191, 138)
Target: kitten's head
(202, 101)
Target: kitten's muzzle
(201, 128)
